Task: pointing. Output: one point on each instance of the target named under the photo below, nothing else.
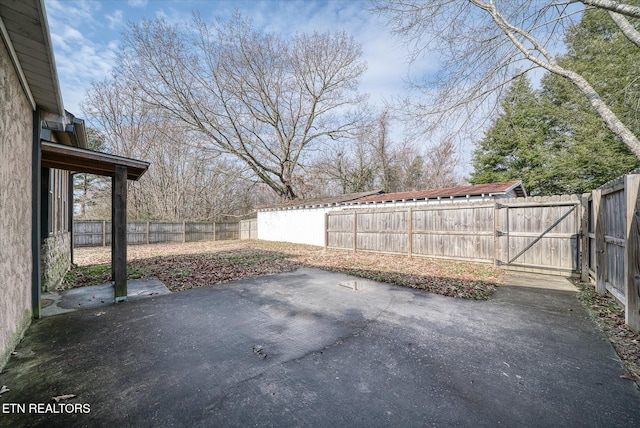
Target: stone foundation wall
(55, 260)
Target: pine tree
(513, 148)
(551, 139)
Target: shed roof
(488, 189)
(318, 202)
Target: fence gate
(543, 236)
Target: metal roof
(318, 202)
(25, 31)
(489, 189)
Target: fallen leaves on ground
(187, 265)
(609, 316)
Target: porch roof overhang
(88, 161)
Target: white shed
(303, 221)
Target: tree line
(232, 117)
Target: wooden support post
(632, 251)
(410, 232)
(119, 233)
(601, 256)
(583, 245)
(184, 231)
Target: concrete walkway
(305, 349)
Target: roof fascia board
(16, 64)
(52, 61)
(513, 187)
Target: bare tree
(183, 181)
(484, 45)
(254, 95)
(375, 161)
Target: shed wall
(16, 121)
(300, 226)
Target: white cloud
(115, 19)
(137, 3)
(80, 56)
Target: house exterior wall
(16, 137)
(300, 226)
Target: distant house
(302, 221)
(41, 146)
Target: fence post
(148, 232)
(410, 232)
(214, 230)
(601, 255)
(496, 236)
(355, 230)
(583, 245)
(104, 233)
(326, 230)
(184, 231)
(631, 251)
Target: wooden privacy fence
(249, 229)
(614, 243)
(540, 233)
(91, 233)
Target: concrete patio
(305, 349)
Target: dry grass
(189, 265)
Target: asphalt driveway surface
(305, 349)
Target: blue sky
(86, 35)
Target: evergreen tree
(552, 139)
(513, 148)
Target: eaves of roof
(25, 31)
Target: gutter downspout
(36, 219)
